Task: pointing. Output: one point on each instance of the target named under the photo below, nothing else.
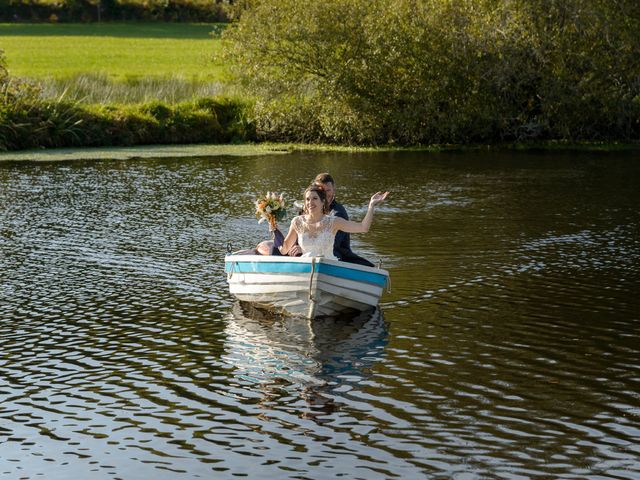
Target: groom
(342, 243)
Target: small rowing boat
(307, 287)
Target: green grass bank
(121, 51)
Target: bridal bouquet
(271, 208)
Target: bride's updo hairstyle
(319, 189)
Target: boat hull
(304, 286)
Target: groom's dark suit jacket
(342, 242)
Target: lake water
(507, 347)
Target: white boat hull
(304, 286)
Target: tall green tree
(434, 71)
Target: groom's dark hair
(324, 178)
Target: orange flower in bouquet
(271, 208)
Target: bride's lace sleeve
(331, 219)
(297, 225)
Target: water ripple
(508, 346)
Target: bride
(315, 230)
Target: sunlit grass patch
(121, 51)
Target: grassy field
(120, 51)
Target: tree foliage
(440, 71)
(113, 10)
(4, 74)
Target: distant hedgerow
(114, 10)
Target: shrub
(437, 71)
(36, 124)
(233, 116)
(25, 125)
(4, 75)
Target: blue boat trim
(298, 267)
(352, 274)
(268, 267)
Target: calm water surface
(508, 346)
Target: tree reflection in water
(285, 357)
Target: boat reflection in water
(280, 355)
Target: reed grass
(94, 88)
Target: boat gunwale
(286, 259)
(334, 268)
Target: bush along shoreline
(50, 124)
(27, 122)
(373, 72)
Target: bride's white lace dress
(315, 239)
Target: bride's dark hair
(319, 189)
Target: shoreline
(252, 149)
(139, 152)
